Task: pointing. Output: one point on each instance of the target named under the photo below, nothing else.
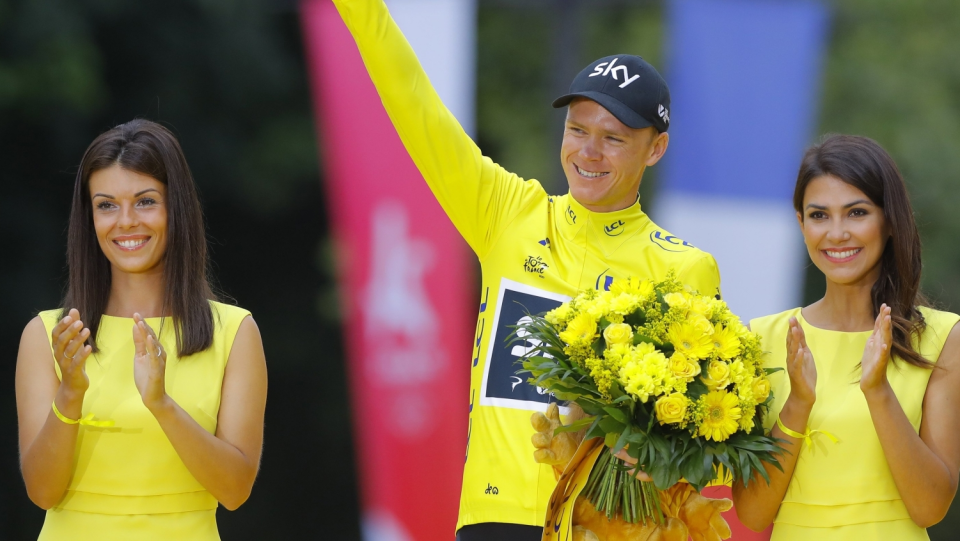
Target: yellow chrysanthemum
(726, 343)
(624, 303)
(644, 373)
(632, 286)
(581, 329)
(560, 314)
(747, 419)
(690, 340)
(721, 413)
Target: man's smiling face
(604, 159)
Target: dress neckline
(803, 321)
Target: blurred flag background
(244, 83)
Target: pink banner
(405, 279)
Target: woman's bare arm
(925, 466)
(757, 505)
(47, 443)
(226, 463)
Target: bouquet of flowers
(671, 376)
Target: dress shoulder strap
(939, 325)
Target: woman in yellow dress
(141, 399)
(868, 401)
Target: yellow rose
(671, 408)
(761, 389)
(618, 333)
(718, 374)
(700, 305)
(702, 324)
(684, 368)
(677, 300)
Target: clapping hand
(149, 364)
(800, 366)
(876, 354)
(69, 351)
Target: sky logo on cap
(611, 70)
(664, 113)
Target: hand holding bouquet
(671, 376)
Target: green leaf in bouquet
(769, 371)
(692, 467)
(617, 414)
(590, 407)
(575, 426)
(611, 425)
(610, 439)
(594, 431)
(696, 389)
(622, 440)
(659, 443)
(599, 346)
(637, 318)
(642, 339)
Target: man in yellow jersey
(535, 250)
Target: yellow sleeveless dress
(844, 490)
(129, 483)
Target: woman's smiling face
(130, 218)
(844, 231)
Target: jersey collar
(607, 230)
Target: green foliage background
(229, 78)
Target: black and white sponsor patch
(502, 386)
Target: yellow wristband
(806, 436)
(86, 421)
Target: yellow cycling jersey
(535, 250)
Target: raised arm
(47, 443)
(473, 191)
(225, 463)
(757, 504)
(925, 466)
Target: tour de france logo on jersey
(535, 265)
(502, 386)
(668, 242)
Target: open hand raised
(70, 353)
(876, 354)
(149, 364)
(800, 366)
(553, 449)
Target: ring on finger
(70, 357)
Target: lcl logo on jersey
(571, 216)
(669, 242)
(611, 70)
(614, 229)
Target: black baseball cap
(627, 86)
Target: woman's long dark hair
(863, 164)
(149, 149)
